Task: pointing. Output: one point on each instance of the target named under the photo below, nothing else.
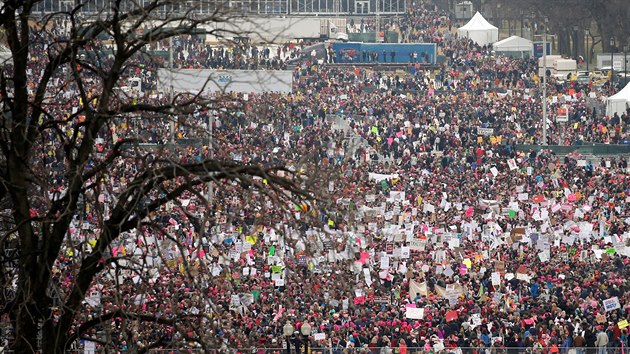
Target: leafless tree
(571, 20)
(62, 155)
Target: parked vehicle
(583, 77)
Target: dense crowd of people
(438, 234)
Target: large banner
(352, 52)
(211, 81)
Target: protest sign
(414, 313)
(416, 288)
(612, 304)
(319, 336)
(485, 131)
(451, 316)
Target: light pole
(306, 331)
(575, 41)
(211, 154)
(287, 331)
(625, 63)
(588, 34)
(378, 22)
(544, 95)
(612, 66)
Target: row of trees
(572, 21)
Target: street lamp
(288, 329)
(306, 329)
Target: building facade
(252, 7)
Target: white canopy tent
(479, 30)
(514, 46)
(619, 102)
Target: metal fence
(593, 149)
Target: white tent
(618, 102)
(479, 30)
(514, 46)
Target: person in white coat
(601, 342)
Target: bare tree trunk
(580, 43)
(564, 46)
(25, 330)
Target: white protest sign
(449, 272)
(512, 164)
(319, 336)
(476, 319)
(417, 245)
(485, 131)
(496, 278)
(612, 304)
(89, 347)
(414, 313)
(235, 300)
(384, 262)
(543, 256)
(94, 299)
